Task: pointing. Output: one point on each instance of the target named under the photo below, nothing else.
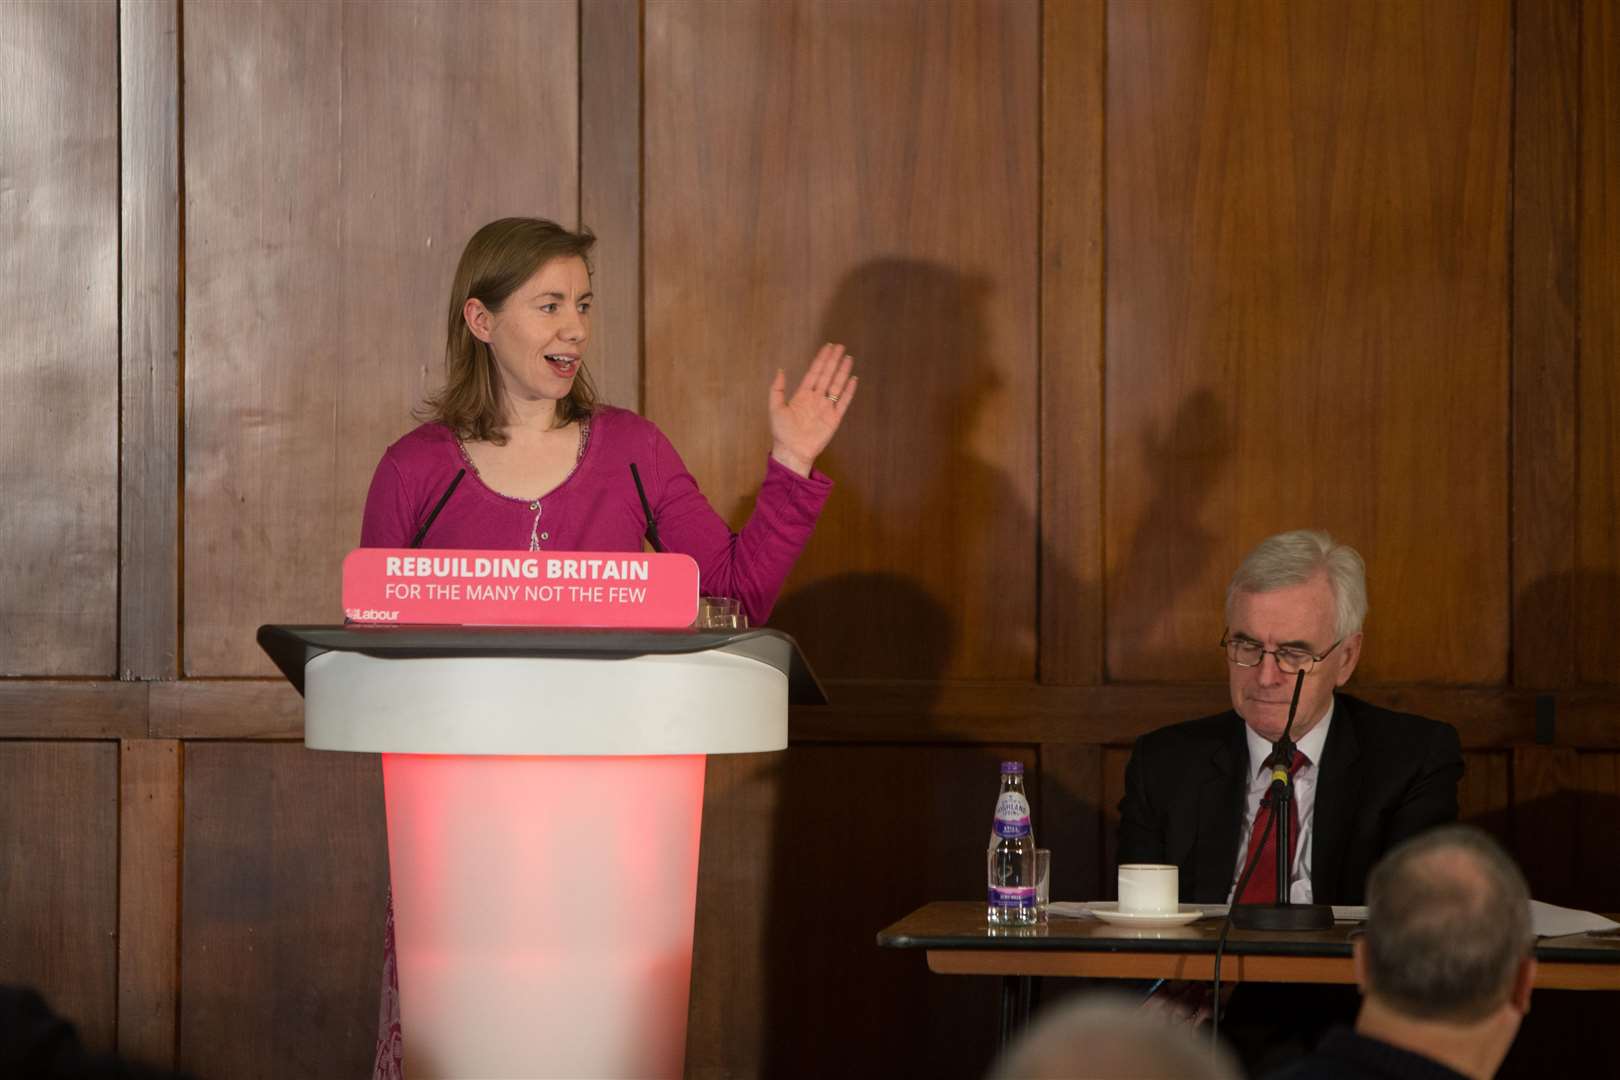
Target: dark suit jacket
(1383, 776)
(1345, 1055)
(38, 1044)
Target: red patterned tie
(1262, 887)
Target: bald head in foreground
(1445, 966)
(1107, 1038)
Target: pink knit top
(596, 508)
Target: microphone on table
(646, 510)
(1283, 914)
(416, 542)
(1282, 751)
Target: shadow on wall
(1565, 841)
(906, 572)
(1170, 548)
(1564, 823)
(1563, 827)
(906, 581)
(1556, 601)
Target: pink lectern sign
(520, 588)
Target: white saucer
(1108, 911)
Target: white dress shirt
(1299, 875)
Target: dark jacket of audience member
(37, 1044)
(1445, 965)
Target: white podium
(544, 797)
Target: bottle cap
(1012, 767)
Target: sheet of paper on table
(1549, 920)
(1546, 920)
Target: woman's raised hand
(803, 425)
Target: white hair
(1106, 1037)
(1294, 558)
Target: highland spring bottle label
(1012, 816)
(1012, 897)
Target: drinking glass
(721, 613)
(1043, 882)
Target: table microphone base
(1282, 916)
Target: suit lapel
(1220, 817)
(1335, 790)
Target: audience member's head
(1446, 963)
(1448, 927)
(1110, 1038)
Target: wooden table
(956, 941)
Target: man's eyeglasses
(1290, 661)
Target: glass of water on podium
(721, 613)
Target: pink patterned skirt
(389, 1062)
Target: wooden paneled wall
(336, 158)
(59, 232)
(1305, 272)
(855, 188)
(1130, 285)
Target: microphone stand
(652, 526)
(421, 534)
(1284, 914)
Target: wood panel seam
(149, 414)
(870, 711)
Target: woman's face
(538, 336)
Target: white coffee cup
(1149, 889)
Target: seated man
(1367, 779)
(1445, 966)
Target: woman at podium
(515, 452)
(537, 463)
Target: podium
(544, 795)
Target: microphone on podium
(646, 510)
(421, 533)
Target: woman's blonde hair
(500, 257)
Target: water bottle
(1011, 856)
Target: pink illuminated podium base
(545, 800)
(543, 911)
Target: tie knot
(1294, 765)
(1299, 760)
